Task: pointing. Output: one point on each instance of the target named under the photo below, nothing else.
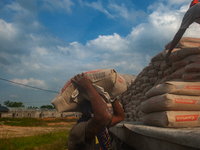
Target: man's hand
(82, 82)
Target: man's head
(86, 109)
(194, 2)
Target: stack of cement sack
(167, 94)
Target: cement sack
(178, 73)
(160, 74)
(153, 73)
(193, 67)
(175, 87)
(160, 65)
(188, 60)
(164, 79)
(150, 66)
(167, 72)
(143, 86)
(174, 119)
(153, 80)
(108, 79)
(144, 79)
(162, 55)
(173, 102)
(128, 78)
(181, 54)
(184, 42)
(191, 76)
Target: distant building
(21, 112)
(3, 110)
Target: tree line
(20, 104)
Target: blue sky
(46, 42)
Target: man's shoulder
(78, 130)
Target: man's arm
(102, 116)
(118, 113)
(175, 41)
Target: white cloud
(30, 82)
(58, 5)
(8, 31)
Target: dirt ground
(15, 131)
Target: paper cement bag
(195, 76)
(181, 54)
(175, 87)
(193, 67)
(174, 119)
(69, 98)
(173, 102)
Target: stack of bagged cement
(167, 94)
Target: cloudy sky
(46, 42)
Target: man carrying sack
(91, 130)
(192, 15)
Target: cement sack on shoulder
(174, 119)
(181, 54)
(172, 102)
(193, 67)
(108, 79)
(191, 76)
(175, 87)
(188, 60)
(128, 78)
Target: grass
(50, 141)
(54, 140)
(33, 122)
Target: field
(35, 134)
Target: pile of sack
(167, 94)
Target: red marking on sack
(192, 87)
(182, 118)
(94, 71)
(185, 101)
(66, 85)
(120, 79)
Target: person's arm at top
(175, 41)
(102, 116)
(118, 113)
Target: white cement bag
(175, 87)
(108, 79)
(172, 119)
(173, 102)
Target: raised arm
(118, 113)
(102, 116)
(175, 41)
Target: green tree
(47, 106)
(13, 104)
(32, 107)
